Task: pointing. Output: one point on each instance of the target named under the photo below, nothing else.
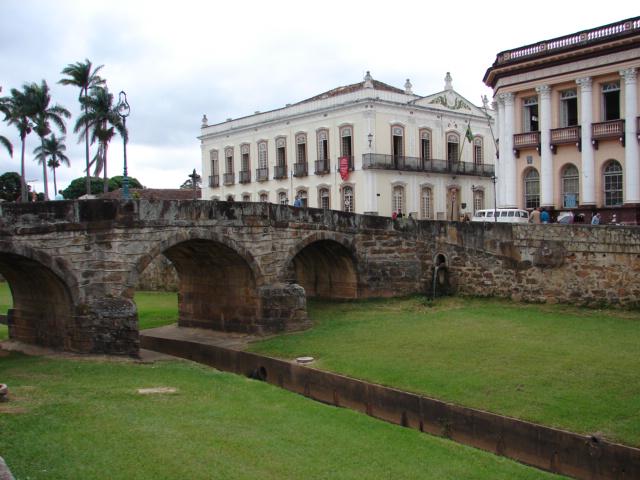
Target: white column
(500, 190)
(496, 134)
(631, 159)
(509, 168)
(546, 160)
(588, 187)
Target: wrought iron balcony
(300, 169)
(525, 140)
(566, 136)
(229, 178)
(280, 172)
(613, 129)
(414, 164)
(323, 166)
(214, 181)
(262, 174)
(245, 176)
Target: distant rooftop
(375, 84)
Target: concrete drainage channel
(550, 449)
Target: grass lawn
(5, 304)
(83, 419)
(561, 366)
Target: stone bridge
(72, 266)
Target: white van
(511, 215)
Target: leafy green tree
(10, 186)
(52, 151)
(116, 182)
(43, 114)
(101, 116)
(77, 187)
(17, 110)
(84, 76)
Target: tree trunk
(86, 144)
(23, 180)
(44, 173)
(55, 184)
(105, 188)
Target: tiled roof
(377, 85)
(156, 193)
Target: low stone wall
(575, 264)
(547, 448)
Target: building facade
(365, 148)
(568, 123)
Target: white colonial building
(430, 156)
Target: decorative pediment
(449, 100)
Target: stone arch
(325, 265)
(218, 280)
(44, 293)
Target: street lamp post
(495, 209)
(123, 111)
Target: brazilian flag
(469, 135)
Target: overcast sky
(179, 60)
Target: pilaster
(588, 187)
(508, 182)
(631, 158)
(546, 159)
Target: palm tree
(17, 110)
(43, 114)
(83, 76)
(4, 141)
(101, 116)
(53, 149)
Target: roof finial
(407, 87)
(368, 80)
(205, 120)
(447, 82)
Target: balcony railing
(245, 176)
(262, 174)
(323, 166)
(229, 178)
(613, 129)
(279, 172)
(300, 169)
(214, 181)
(565, 136)
(415, 164)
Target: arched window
(323, 144)
(426, 203)
(348, 200)
(228, 155)
(570, 186)
(262, 172)
(453, 147)
(425, 145)
(301, 148)
(532, 188)
(324, 198)
(613, 184)
(478, 200)
(397, 200)
(246, 197)
(397, 140)
(282, 198)
(213, 156)
(244, 160)
(230, 198)
(478, 154)
(264, 197)
(346, 141)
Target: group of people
(542, 215)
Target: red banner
(344, 167)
